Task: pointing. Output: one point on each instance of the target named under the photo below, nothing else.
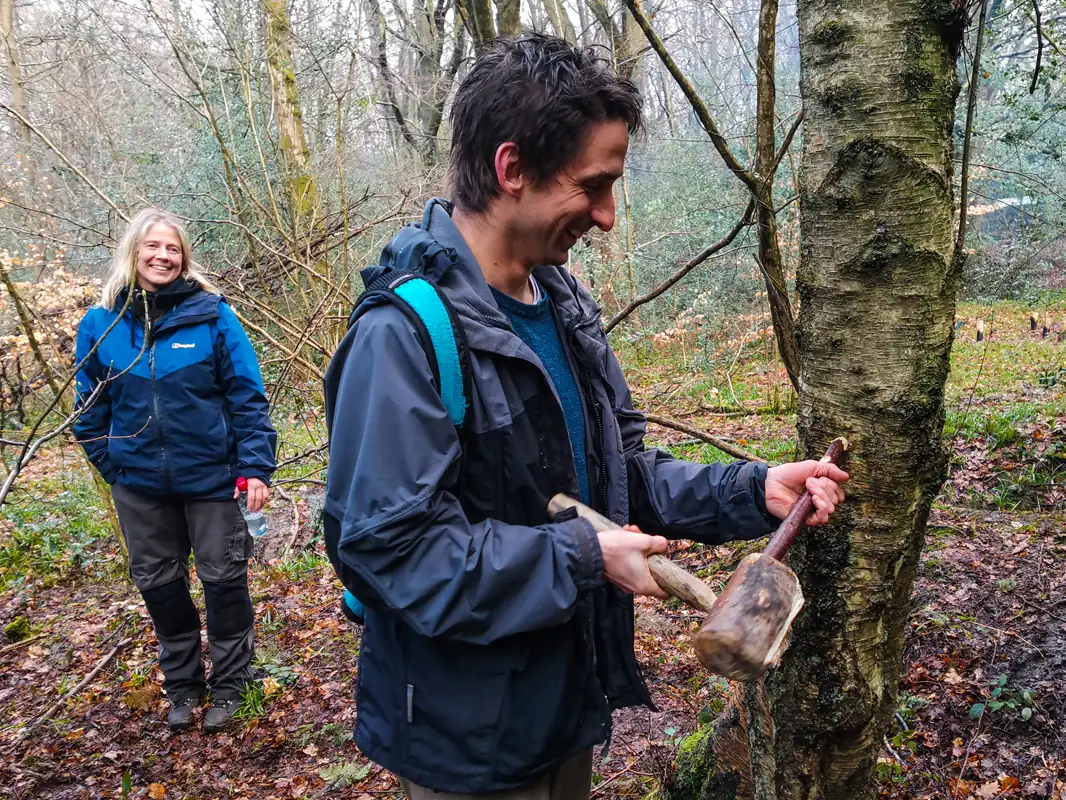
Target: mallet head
(746, 627)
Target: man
(498, 642)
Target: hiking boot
(220, 714)
(180, 716)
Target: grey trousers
(571, 780)
(160, 534)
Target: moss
(831, 34)
(836, 97)
(692, 763)
(916, 82)
(17, 630)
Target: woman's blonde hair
(123, 269)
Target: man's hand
(258, 494)
(785, 484)
(625, 560)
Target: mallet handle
(797, 518)
(671, 578)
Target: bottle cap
(242, 484)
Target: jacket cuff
(256, 473)
(108, 471)
(589, 568)
(745, 511)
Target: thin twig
(721, 444)
(62, 157)
(85, 682)
(690, 265)
(22, 643)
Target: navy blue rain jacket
(493, 647)
(184, 416)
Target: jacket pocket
(454, 698)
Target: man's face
(555, 214)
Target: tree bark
(877, 281)
(477, 16)
(14, 69)
(560, 20)
(508, 17)
(296, 157)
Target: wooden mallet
(746, 625)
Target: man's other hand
(625, 560)
(785, 484)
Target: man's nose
(603, 213)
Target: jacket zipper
(158, 416)
(594, 405)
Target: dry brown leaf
(157, 791)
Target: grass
(55, 528)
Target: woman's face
(158, 257)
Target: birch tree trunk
(876, 281)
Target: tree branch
(62, 157)
(967, 140)
(703, 114)
(1039, 45)
(721, 444)
(690, 265)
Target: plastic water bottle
(257, 521)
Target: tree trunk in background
(296, 157)
(14, 71)
(477, 16)
(508, 17)
(877, 281)
(560, 20)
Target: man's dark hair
(540, 93)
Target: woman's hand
(258, 494)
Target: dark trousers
(160, 534)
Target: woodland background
(295, 137)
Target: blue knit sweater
(535, 325)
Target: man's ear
(508, 170)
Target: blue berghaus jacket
(494, 648)
(182, 417)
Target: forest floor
(982, 701)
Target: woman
(173, 411)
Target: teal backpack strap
(442, 337)
(426, 301)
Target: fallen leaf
(157, 791)
(989, 790)
(310, 750)
(952, 678)
(1008, 782)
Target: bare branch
(721, 444)
(1039, 46)
(690, 265)
(703, 113)
(62, 157)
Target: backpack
(415, 293)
